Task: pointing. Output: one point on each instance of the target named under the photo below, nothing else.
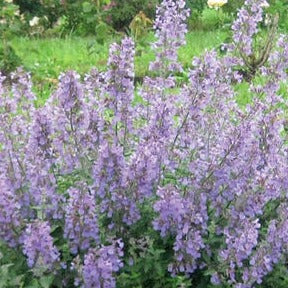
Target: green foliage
(196, 8)
(12, 267)
(52, 9)
(140, 25)
(10, 25)
(277, 278)
(232, 6)
(9, 60)
(7, 279)
(210, 20)
(86, 17)
(147, 256)
(196, 5)
(123, 12)
(280, 7)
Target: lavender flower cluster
(209, 167)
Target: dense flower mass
(246, 25)
(10, 217)
(38, 246)
(100, 264)
(105, 159)
(81, 223)
(170, 29)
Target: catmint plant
(183, 165)
(119, 89)
(70, 122)
(41, 159)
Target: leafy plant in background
(123, 12)
(10, 24)
(69, 16)
(196, 8)
(51, 9)
(179, 183)
(198, 5)
(87, 17)
(281, 8)
(232, 6)
(140, 25)
(209, 16)
(275, 7)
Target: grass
(198, 42)
(47, 58)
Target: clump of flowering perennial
(40, 159)
(210, 170)
(232, 171)
(119, 88)
(246, 25)
(249, 44)
(15, 115)
(38, 246)
(110, 187)
(70, 121)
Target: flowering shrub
(108, 180)
(10, 25)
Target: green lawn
(47, 58)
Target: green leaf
(5, 268)
(34, 284)
(16, 281)
(46, 281)
(87, 7)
